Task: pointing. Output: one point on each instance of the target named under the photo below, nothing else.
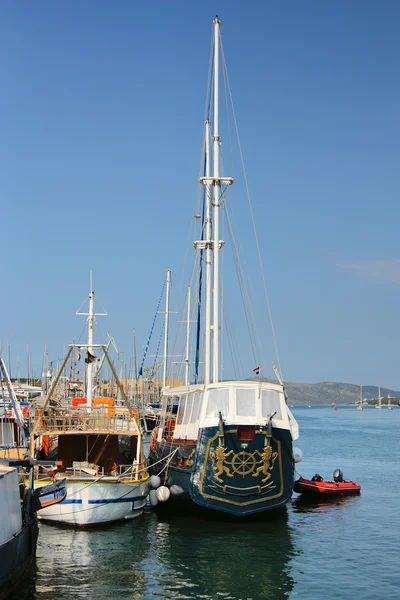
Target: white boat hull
(95, 502)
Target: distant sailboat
(360, 403)
(379, 405)
(390, 407)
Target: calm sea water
(348, 548)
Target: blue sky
(101, 116)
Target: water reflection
(315, 504)
(211, 559)
(165, 557)
(98, 563)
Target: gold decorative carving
(189, 462)
(219, 458)
(267, 492)
(268, 458)
(243, 463)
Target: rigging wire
(250, 320)
(151, 330)
(198, 199)
(252, 213)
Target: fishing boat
(14, 419)
(229, 447)
(317, 486)
(18, 503)
(99, 446)
(18, 535)
(18, 522)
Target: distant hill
(327, 392)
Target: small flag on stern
(257, 370)
(89, 357)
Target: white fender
(154, 482)
(163, 493)
(298, 455)
(153, 498)
(176, 490)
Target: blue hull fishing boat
(229, 447)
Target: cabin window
(218, 402)
(188, 410)
(245, 403)
(181, 410)
(197, 398)
(270, 402)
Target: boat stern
(243, 469)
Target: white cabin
(239, 402)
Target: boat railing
(50, 470)
(86, 420)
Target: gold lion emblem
(219, 457)
(268, 458)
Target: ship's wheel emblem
(243, 463)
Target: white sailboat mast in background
(166, 327)
(91, 315)
(379, 405)
(360, 404)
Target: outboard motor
(338, 475)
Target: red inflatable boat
(326, 488)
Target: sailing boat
(229, 448)
(360, 403)
(390, 407)
(379, 405)
(100, 447)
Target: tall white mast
(208, 232)
(211, 242)
(90, 321)
(187, 363)
(166, 328)
(217, 194)
(89, 373)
